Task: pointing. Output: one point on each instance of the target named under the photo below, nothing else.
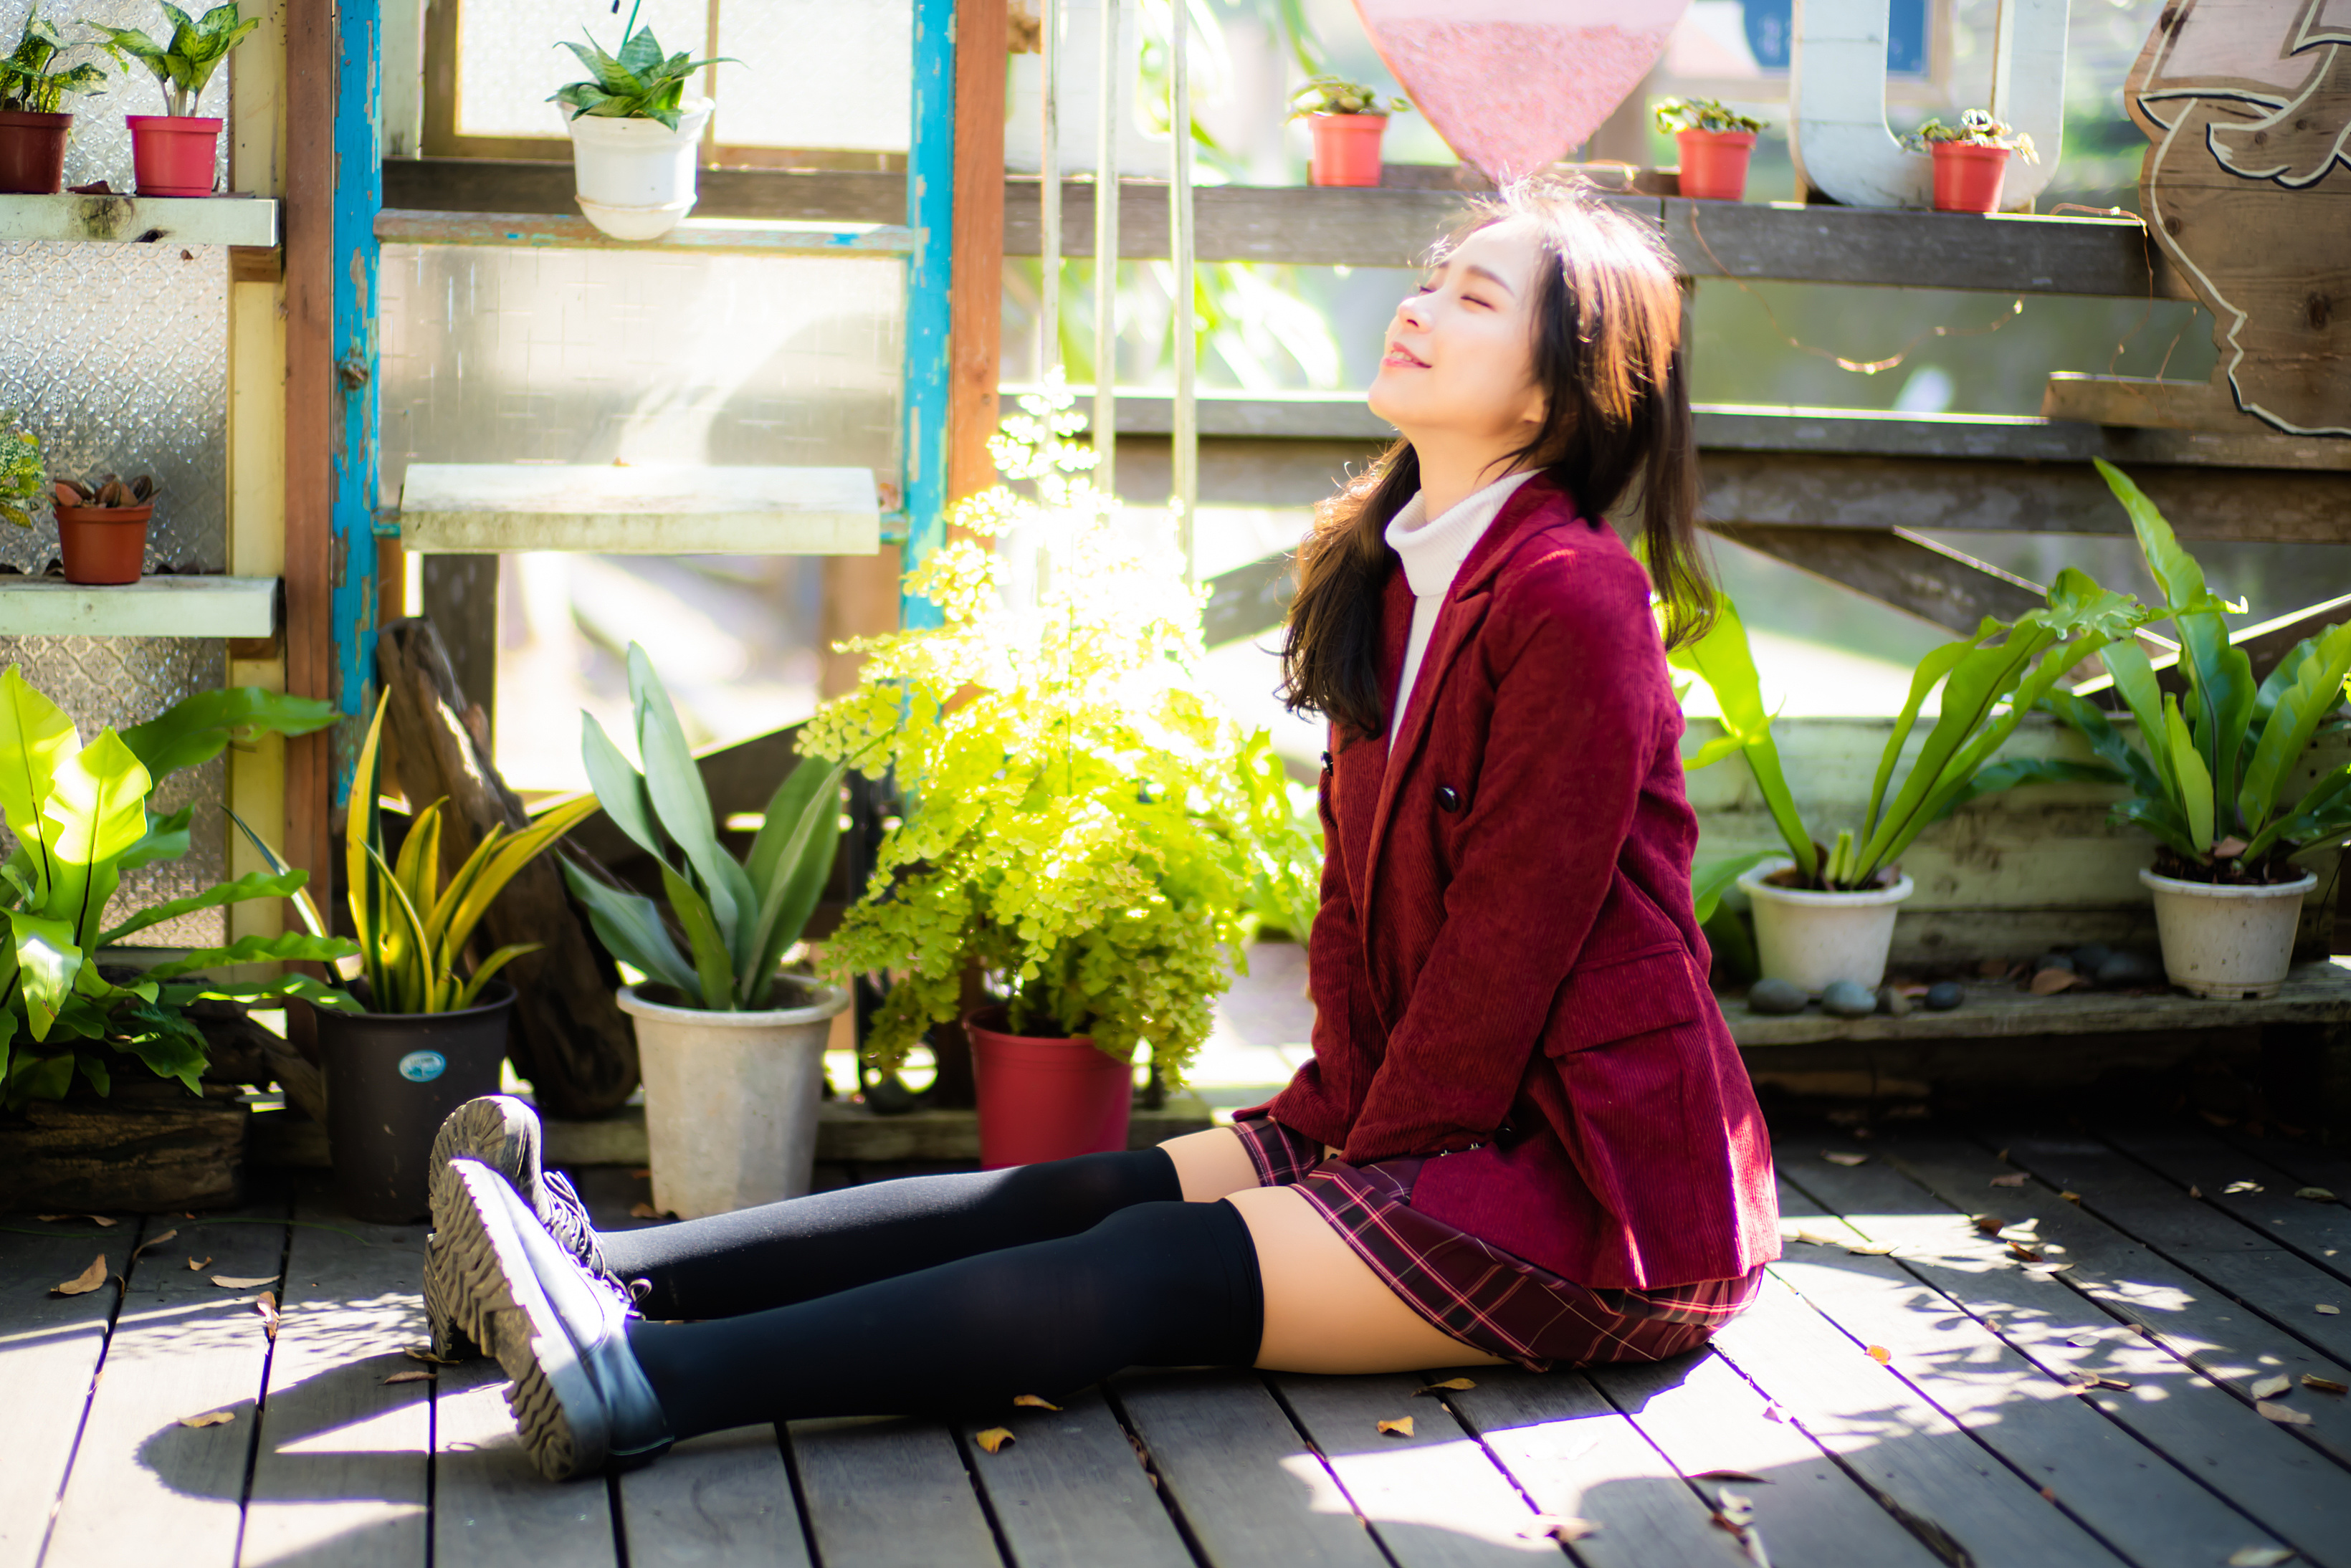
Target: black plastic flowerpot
(392, 1078)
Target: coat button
(1326, 762)
(1447, 798)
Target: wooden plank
(50, 1350)
(1728, 427)
(225, 219)
(1249, 1491)
(187, 606)
(2171, 1306)
(1070, 1492)
(490, 1508)
(181, 1346)
(1246, 601)
(1898, 1444)
(2310, 1164)
(722, 1500)
(152, 1148)
(699, 235)
(341, 1468)
(2144, 402)
(2103, 1476)
(548, 185)
(2004, 253)
(2192, 1156)
(2057, 1320)
(976, 284)
(642, 508)
(1576, 1455)
(888, 1494)
(1707, 1420)
(1434, 1498)
(1902, 569)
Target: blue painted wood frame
(930, 213)
(358, 197)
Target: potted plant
(1971, 160)
(103, 527)
(1084, 824)
(2210, 776)
(1826, 915)
(428, 1032)
(731, 1045)
(1715, 142)
(174, 153)
(1348, 120)
(633, 134)
(33, 123)
(83, 815)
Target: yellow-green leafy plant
(185, 61)
(1337, 95)
(1080, 817)
(20, 470)
(412, 929)
(1674, 114)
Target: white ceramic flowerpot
(1810, 939)
(731, 1100)
(2226, 941)
(635, 177)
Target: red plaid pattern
(1476, 1291)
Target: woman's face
(1461, 351)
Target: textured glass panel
(510, 61)
(113, 355)
(859, 97)
(115, 682)
(100, 146)
(518, 355)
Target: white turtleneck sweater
(1432, 552)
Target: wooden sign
(1514, 86)
(2248, 190)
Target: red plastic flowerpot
(1045, 1099)
(1346, 149)
(33, 153)
(104, 544)
(1968, 176)
(173, 154)
(1714, 164)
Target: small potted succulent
(731, 1044)
(1715, 142)
(1971, 160)
(33, 123)
(174, 153)
(633, 133)
(103, 527)
(2214, 776)
(1348, 120)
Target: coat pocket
(1621, 997)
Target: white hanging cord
(1106, 256)
(1185, 453)
(1049, 190)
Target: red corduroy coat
(1506, 971)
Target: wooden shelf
(459, 509)
(703, 235)
(141, 220)
(151, 607)
(2313, 994)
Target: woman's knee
(1211, 1164)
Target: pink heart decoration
(1515, 85)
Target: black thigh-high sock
(1159, 1284)
(804, 1248)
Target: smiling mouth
(1398, 354)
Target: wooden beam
(1935, 583)
(975, 301)
(312, 408)
(2144, 402)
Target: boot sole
(484, 1256)
(477, 1129)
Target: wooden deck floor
(1905, 1395)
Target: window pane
(816, 73)
(510, 61)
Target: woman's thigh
(1325, 1310)
(1211, 1164)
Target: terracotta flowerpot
(1346, 149)
(33, 153)
(1714, 164)
(1045, 1099)
(1968, 176)
(173, 154)
(104, 544)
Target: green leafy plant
(1082, 820)
(1674, 114)
(412, 931)
(1975, 128)
(1989, 681)
(641, 82)
(31, 81)
(738, 917)
(20, 470)
(1337, 95)
(184, 65)
(2209, 772)
(83, 815)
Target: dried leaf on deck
(2283, 1415)
(1816, 1239)
(2084, 1381)
(150, 1241)
(1869, 1249)
(1880, 1355)
(2271, 1387)
(1732, 1475)
(267, 1305)
(2050, 1268)
(99, 1219)
(1774, 1413)
(414, 1375)
(2049, 982)
(242, 1282)
(2314, 1194)
(993, 1439)
(2260, 1556)
(1561, 1527)
(209, 1418)
(1399, 1428)
(2325, 1311)
(1735, 1510)
(83, 1283)
(1034, 1402)
(2070, 1196)
(2195, 1191)
(2014, 1178)
(1451, 1384)
(1989, 1224)
(2324, 1385)
(2234, 1188)
(418, 1352)
(198, 1265)
(1839, 1157)
(647, 1211)
(2024, 1254)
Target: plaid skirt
(1473, 1290)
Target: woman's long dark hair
(1608, 356)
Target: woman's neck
(1452, 471)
